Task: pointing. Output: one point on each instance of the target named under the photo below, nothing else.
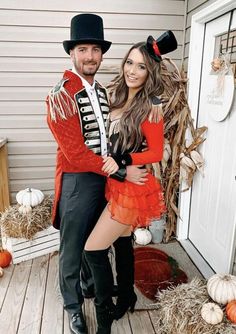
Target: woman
(136, 117)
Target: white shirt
(93, 97)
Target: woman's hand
(136, 175)
(110, 166)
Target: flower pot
(157, 230)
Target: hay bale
(17, 225)
(180, 311)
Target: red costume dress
(134, 204)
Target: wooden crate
(44, 242)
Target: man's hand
(136, 175)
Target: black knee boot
(127, 298)
(103, 281)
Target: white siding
(191, 8)
(32, 60)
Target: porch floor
(30, 303)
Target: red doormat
(156, 270)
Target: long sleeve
(68, 136)
(154, 134)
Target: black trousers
(82, 202)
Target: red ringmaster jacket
(68, 127)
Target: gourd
(142, 236)
(25, 209)
(222, 288)
(212, 313)
(5, 258)
(29, 197)
(1, 272)
(231, 311)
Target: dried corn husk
(198, 160)
(166, 154)
(186, 162)
(177, 121)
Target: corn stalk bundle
(180, 162)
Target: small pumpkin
(216, 64)
(29, 197)
(231, 311)
(222, 288)
(212, 313)
(142, 236)
(5, 258)
(25, 209)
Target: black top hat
(86, 28)
(164, 44)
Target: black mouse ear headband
(164, 44)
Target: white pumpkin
(222, 288)
(212, 313)
(142, 236)
(25, 209)
(29, 197)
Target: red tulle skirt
(133, 204)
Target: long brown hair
(130, 136)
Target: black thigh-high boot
(87, 283)
(103, 281)
(124, 254)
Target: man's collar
(85, 83)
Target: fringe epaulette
(61, 104)
(156, 100)
(156, 113)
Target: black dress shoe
(77, 323)
(89, 292)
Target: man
(77, 117)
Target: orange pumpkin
(231, 311)
(5, 258)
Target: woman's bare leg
(106, 231)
